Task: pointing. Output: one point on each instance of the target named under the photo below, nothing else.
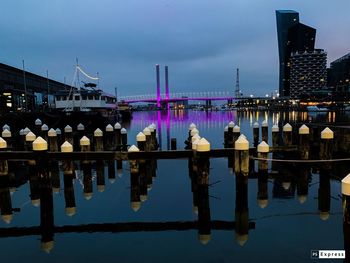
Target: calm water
(284, 228)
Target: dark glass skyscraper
(292, 37)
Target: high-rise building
(308, 72)
(292, 37)
(339, 76)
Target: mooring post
(326, 145)
(111, 171)
(78, 135)
(204, 222)
(7, 136)
(141, 140)
(230, 140)
(324, 194)
(38, 123)
(69, 197)
(153, 138)
(241, 210)
(84, 144)
(203, 163)
(68, 134)
(173, 144)
(256, 134)
(117, 134)
(345, 190)
(147, 132)
(87, 179)
(100, 176)
(226, 137)
(22, 141)
(304, 142)
(30, 138)
(68, 166)
(287, 134)
(4, 169)
(265, 131)
(109, 137)
(52, 136)
(5, 200)
(303, 183)
(241, 156)
(43, 132)
(236, 133)
(263, 152)
(275, 135)
(54, 174)
(124, 137)
(59, 136)
(98, 140)
(134, 181)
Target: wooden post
(98, 140)
(100, 176)
(230, 140)
(256, 134)
(303, 183)
(4, 169)
(30, 138)
(5, 200)
(53, 146)
(241, 210)
(275, 135)
(287, 134)
(38, 123)
(59, 136)
(147, 132)
(21, 144)
(153, 129)
(109, 136)
(326, 144)
(226, 137)
(79, 134)
(124, 137)
(68, 166)
(87, 179)
(134, 182)
(236, 133)
(85, 144)
(173, 144)
(345, 190)
(55, 176)
(111, 171)
(204, 221)
(304, 142)
(119, 168)
(69, 197)
(141, 141)
(203, 163)
(68, 134)
(265, 131)
(117, 134)
(43, 132)
(7, 136)
(324, 194)
(263, 152)
(241, 156)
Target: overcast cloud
(202, 42)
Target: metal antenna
(237, 90)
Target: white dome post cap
(275, 128)
(192, 126)
(264, 124)
(203, 145)
(80, 127)
(21, 132)
(117, 126)
(287, 127)
(236, 129)
(38, 122)
(30, 137)
(26, 131)
(151, 128)
(241, 144)
(70, 211)
(304, 129)
(135, 206)
(84, 141)
(123, 131)
(133, 148)
(194, 131)
(44, 127)
(204, 239)
(66, 147)
(226, 128)
(6, 127)
(231, 124)
(327, 133)
(68, 129)
(52, 133)
(6, 133)
(242, 135)
(263, 147)
(345, 185)
(146, 131)
(140, 137)
(40, 144)
(98, 133)
(194, 144)
(109, 128)
(256, 125)
(58, 131)
(3, 143)
(241, 239)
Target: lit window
(9, 104)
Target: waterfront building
(308, 72)
(339, 76)
(293, 36)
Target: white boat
(315, 108)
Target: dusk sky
(202, 42)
